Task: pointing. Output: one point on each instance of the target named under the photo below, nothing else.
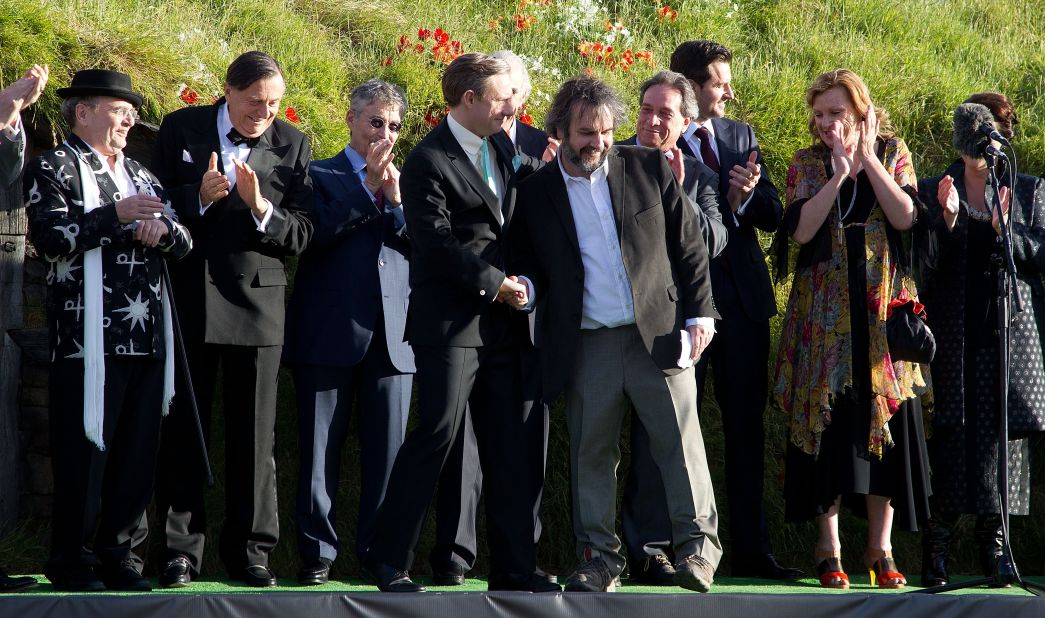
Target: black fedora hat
(100, 82)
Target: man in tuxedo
(238, 177)
(612, 254)
(460, 485)
(104, 224)
(459, 196)
(345, 325)
(744, 296)
(13, 99)
(667, 105)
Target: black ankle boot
(988, 538)
(936, 540)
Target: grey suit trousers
(613, 372)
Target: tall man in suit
(238, 177)
(459, 197)
(345, 326)
(612, 252)
(667, 106)
(104, 224)
(744, 297)
(13, 99)
(460, 485)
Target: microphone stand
(1008, 298)
(183, 359)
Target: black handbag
(909, 336)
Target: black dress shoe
(531, 582)
(177, 573)
(655, 570)
(764, 566)
(76, 579)
(16, 584)
(315, 573)
(390, 579)
(548, 577)
(125, 577)
(451, 575)
(258, 576)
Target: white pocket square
(186, 157)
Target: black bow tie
(237, 139)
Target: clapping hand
(550, 149)
(22, 93)
(947, 195)
(150, 232)
(868, 133)
(214, 184)
(676, 164)
(139, 207)
(249, 190)
(841, 159)
(742, 181)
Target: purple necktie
(706, 152)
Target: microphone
(974, 129)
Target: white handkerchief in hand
(685, 361)
(186, 157)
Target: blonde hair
(859, 97)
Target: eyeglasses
(122, 113)
(394, 127)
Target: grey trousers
(613, 372)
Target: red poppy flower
(423, 33)
(291, 115)
(387, 61)
(526, 119)
(189, 95)
(441, 36)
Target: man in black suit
(459, 196)
(611, 250)
(105, 226)
(460, 485)
(238, 177)
(345, 326)
(667, 105)
(744, 296)
(13, 99)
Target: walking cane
(183, 358)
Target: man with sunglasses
(345, 324)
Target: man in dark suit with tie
(459, 196)
(612, 252)
(460, 485)
(238, 177)
(345, 326)
(667, 105)
(744, 296)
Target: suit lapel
(727, 151)
(342, 168)
(617, 180)
(265, 155)
(465, 168)
(684, 146)
(560, 200)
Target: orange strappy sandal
(882, 569)
(829, 568)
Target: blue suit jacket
(355, 269)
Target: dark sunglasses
(378, 123)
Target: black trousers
(251, 527)
(461, 483)
(448, 379)
(739, 354)
(108, 489)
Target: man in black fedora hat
(103, 223)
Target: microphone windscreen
(967, 138)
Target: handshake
(514, 292)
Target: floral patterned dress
(855, 415)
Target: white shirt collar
(356, 160)
(691, 130)
(470, 142)
(224, 123)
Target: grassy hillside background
(920, 60)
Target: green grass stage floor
(724, 585)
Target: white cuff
(707, 323)
(265, 221)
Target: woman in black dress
(959, 292)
